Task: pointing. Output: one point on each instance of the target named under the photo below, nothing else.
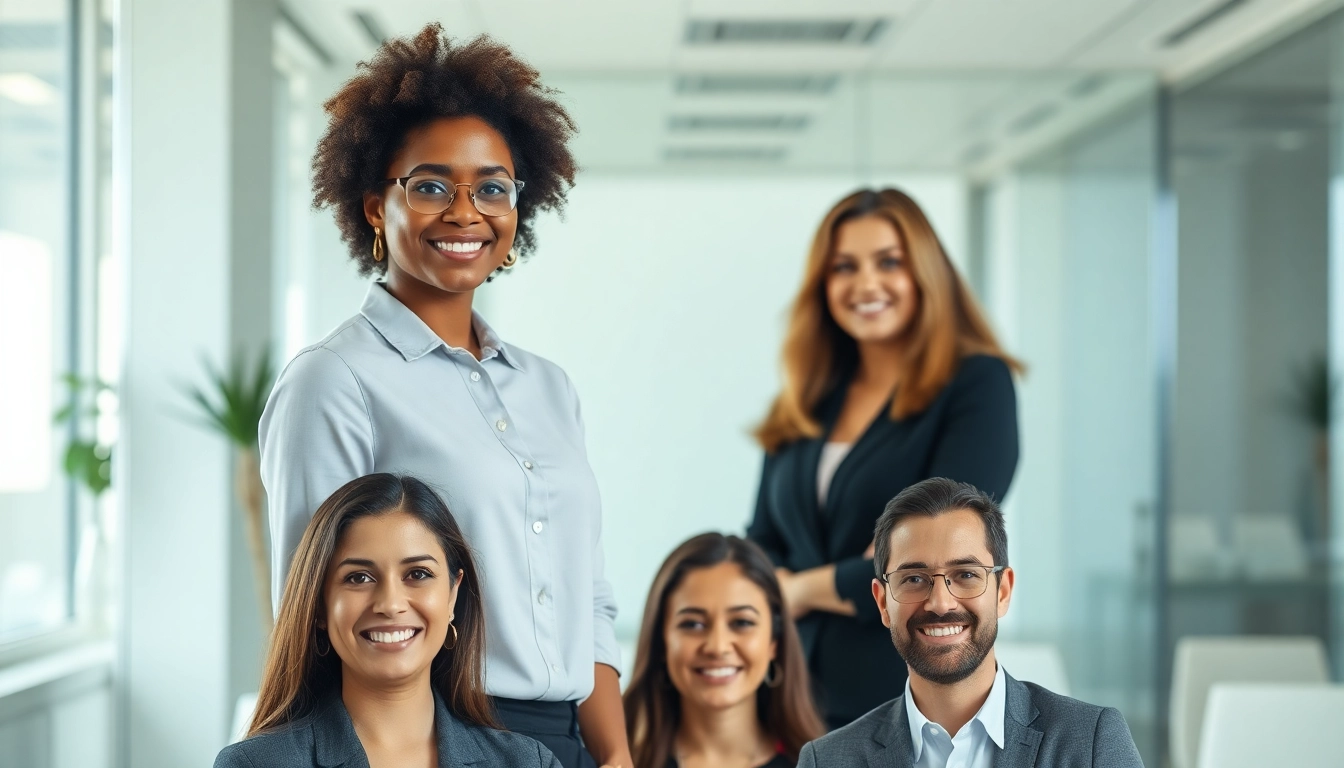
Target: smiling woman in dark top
(719, 679)
(891, 376)
(379, 649)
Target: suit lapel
(335, 744)
(1020, 741)
(809, 456)
(895, 749)
(457, 746)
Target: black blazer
(327, 738)
(968, 433)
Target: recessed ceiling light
(737, 122)
(724, 154)
(831, 31)
(765, 84)
(27, 89)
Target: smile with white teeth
(719, 672)
(458, 247)
(941, 631)
(392, 637)
(869, 307)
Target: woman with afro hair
(437, 159)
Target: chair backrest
(1202, 662)
(1039, 663)
(1252, 725)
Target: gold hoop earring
(446, 646)
(317, 645)
(772, 676)
(377, 244)
(511, 259)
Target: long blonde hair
(818, 354)
(296, 679)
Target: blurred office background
(1147, 194)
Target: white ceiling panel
(1026, 34)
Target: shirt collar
(990, 715)
(406, 332)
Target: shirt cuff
(605, 648)
(853, 582)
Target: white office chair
(1202, 662)
(1269, 547)
(1253, 725)
(1039, 663)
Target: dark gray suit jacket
(1040, 730)
(327, 738)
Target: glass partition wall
(1069, 277)
(1250, 527)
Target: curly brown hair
(412, 81)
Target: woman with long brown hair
(891, 376)
(379, 648)
(719, 676)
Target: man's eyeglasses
(431, 194)
(963, 581)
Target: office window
(36, 314)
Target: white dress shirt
(502, 441)
(975, 744)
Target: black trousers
(553, 723)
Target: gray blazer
(1040, 729)
(327, 738)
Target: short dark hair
(409, 83)
(934, 497)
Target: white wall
(666, 306)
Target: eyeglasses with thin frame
(433, 194)
(964, 582)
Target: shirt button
(527, 465)
(541, 597)
(537, 526)
(555, 667)
(475, 375)
(501, 425)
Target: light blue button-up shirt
(501, 439)
(975, 744)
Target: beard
(949, 664)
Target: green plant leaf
(233, 401)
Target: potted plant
(231, 404)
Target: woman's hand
(812, 590)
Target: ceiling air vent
(774, 123)
(372, 29)
(1032, 118)
(1087, 86)
(707, 154)
(756, 85)
(1199, 23)
(784, 31)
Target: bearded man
(943, 583)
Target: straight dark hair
(296, 679)
(934, 497)
(653, 705)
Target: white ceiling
(620, 36)
(947, 84)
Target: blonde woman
(891, 376)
